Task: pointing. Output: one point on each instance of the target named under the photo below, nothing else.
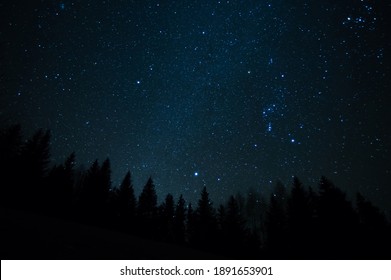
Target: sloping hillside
(31, 236)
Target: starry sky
(224, 94)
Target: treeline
(293, 223)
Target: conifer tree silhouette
(276, 222)
(303, 224)
(205, 221)
(299, 214)
(190, 225)
(337, 221)
(167, 219)
(252, 209)
(147, 209)
(126, 202)
(147, 205)
(233, 230)
(104, 185)
(94, 195)
(221, 216)
(222, 240)
(180, 221)
(34, 163)
(59, 188)
(88, 198)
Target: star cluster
(224, 94)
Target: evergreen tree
(337, 222)
(147, 205)
(147, 209)
(36, 155)
(179, 221)
(167, 218)
(34, 163)
(233, 230)
(125, 203)
(221, 242)
(59, 188)
(255, 209)
(300, 227)
(191, 225)
(221, 216)
(104, 183)
(206, 224)
(92, 193)
(276, 222)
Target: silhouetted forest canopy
(294, 222)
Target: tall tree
(90, 199)
(191, 225)
(233, 229)
(122, 205)
(59, 188)
(255, 209)
(147, 204)
(300, 225)
(167, 211)
(179, 221)
(147, 209)
(276, 222)
(126, 200)
(206, 224)
(104, 184)
(35, 158)
(337, 221)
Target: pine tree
(276, 222)
(337, 221)
(89, 198)
(126, 202)
(34, 163)
(206, 224)
(147, 209)
(59, 188)
(190, 225)
(167, 218)
(147, 205)
(234, 231)
(179, 221)
(300, 225)
(104, 183)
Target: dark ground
(32, 236)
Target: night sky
(223, 94)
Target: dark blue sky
(226, 94)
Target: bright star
(269, 127)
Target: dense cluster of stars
(224, 94)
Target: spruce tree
(206, 223)
(147, 210)
(126, 201)
(179, 221)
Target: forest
(293, 222)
